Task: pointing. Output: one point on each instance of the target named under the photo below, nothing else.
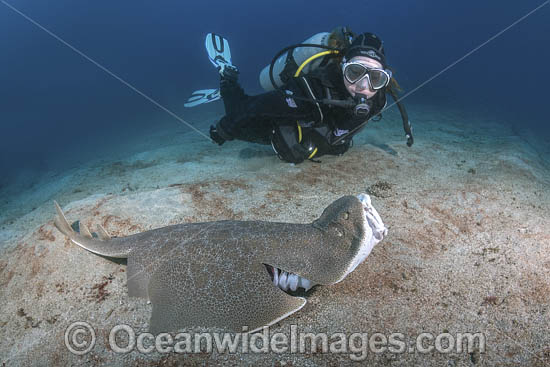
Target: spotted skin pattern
(213, 274)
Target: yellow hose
(296, 75)
(313, 58)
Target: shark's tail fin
(104, 245)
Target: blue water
(59, 109)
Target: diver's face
(362, 86)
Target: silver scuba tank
(300, 54)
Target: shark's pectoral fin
(138, 276)
(188, 295)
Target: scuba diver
(319, 94)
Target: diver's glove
(218, 133)
(214, 135)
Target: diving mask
(354, 72)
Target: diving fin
(219, 55)
(218, 51)
(202, 96)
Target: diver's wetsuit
(272, 117)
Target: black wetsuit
(272, 117)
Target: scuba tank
(300, 54)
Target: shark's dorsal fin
(102, 233)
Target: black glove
(341, 148)
(214, 135)
(220, 133)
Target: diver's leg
(231, 92)
(255, 116)
(234, 98)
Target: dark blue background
(57, 108)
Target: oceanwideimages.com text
(80, 339)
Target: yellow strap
(300, 140)
(312, 154)
(296, 75)
(313, 58)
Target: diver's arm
(347, 124)
(343, 123)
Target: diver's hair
(393, 84)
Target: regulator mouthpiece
(363, 106)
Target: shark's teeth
(283, 283)
(275, 277)
(304, 283)
(287, 281)
(292, 282)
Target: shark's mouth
(287, 281)
(374, 232)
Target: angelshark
(231, 274)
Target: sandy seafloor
(468, 248)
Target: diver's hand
(215, 136)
